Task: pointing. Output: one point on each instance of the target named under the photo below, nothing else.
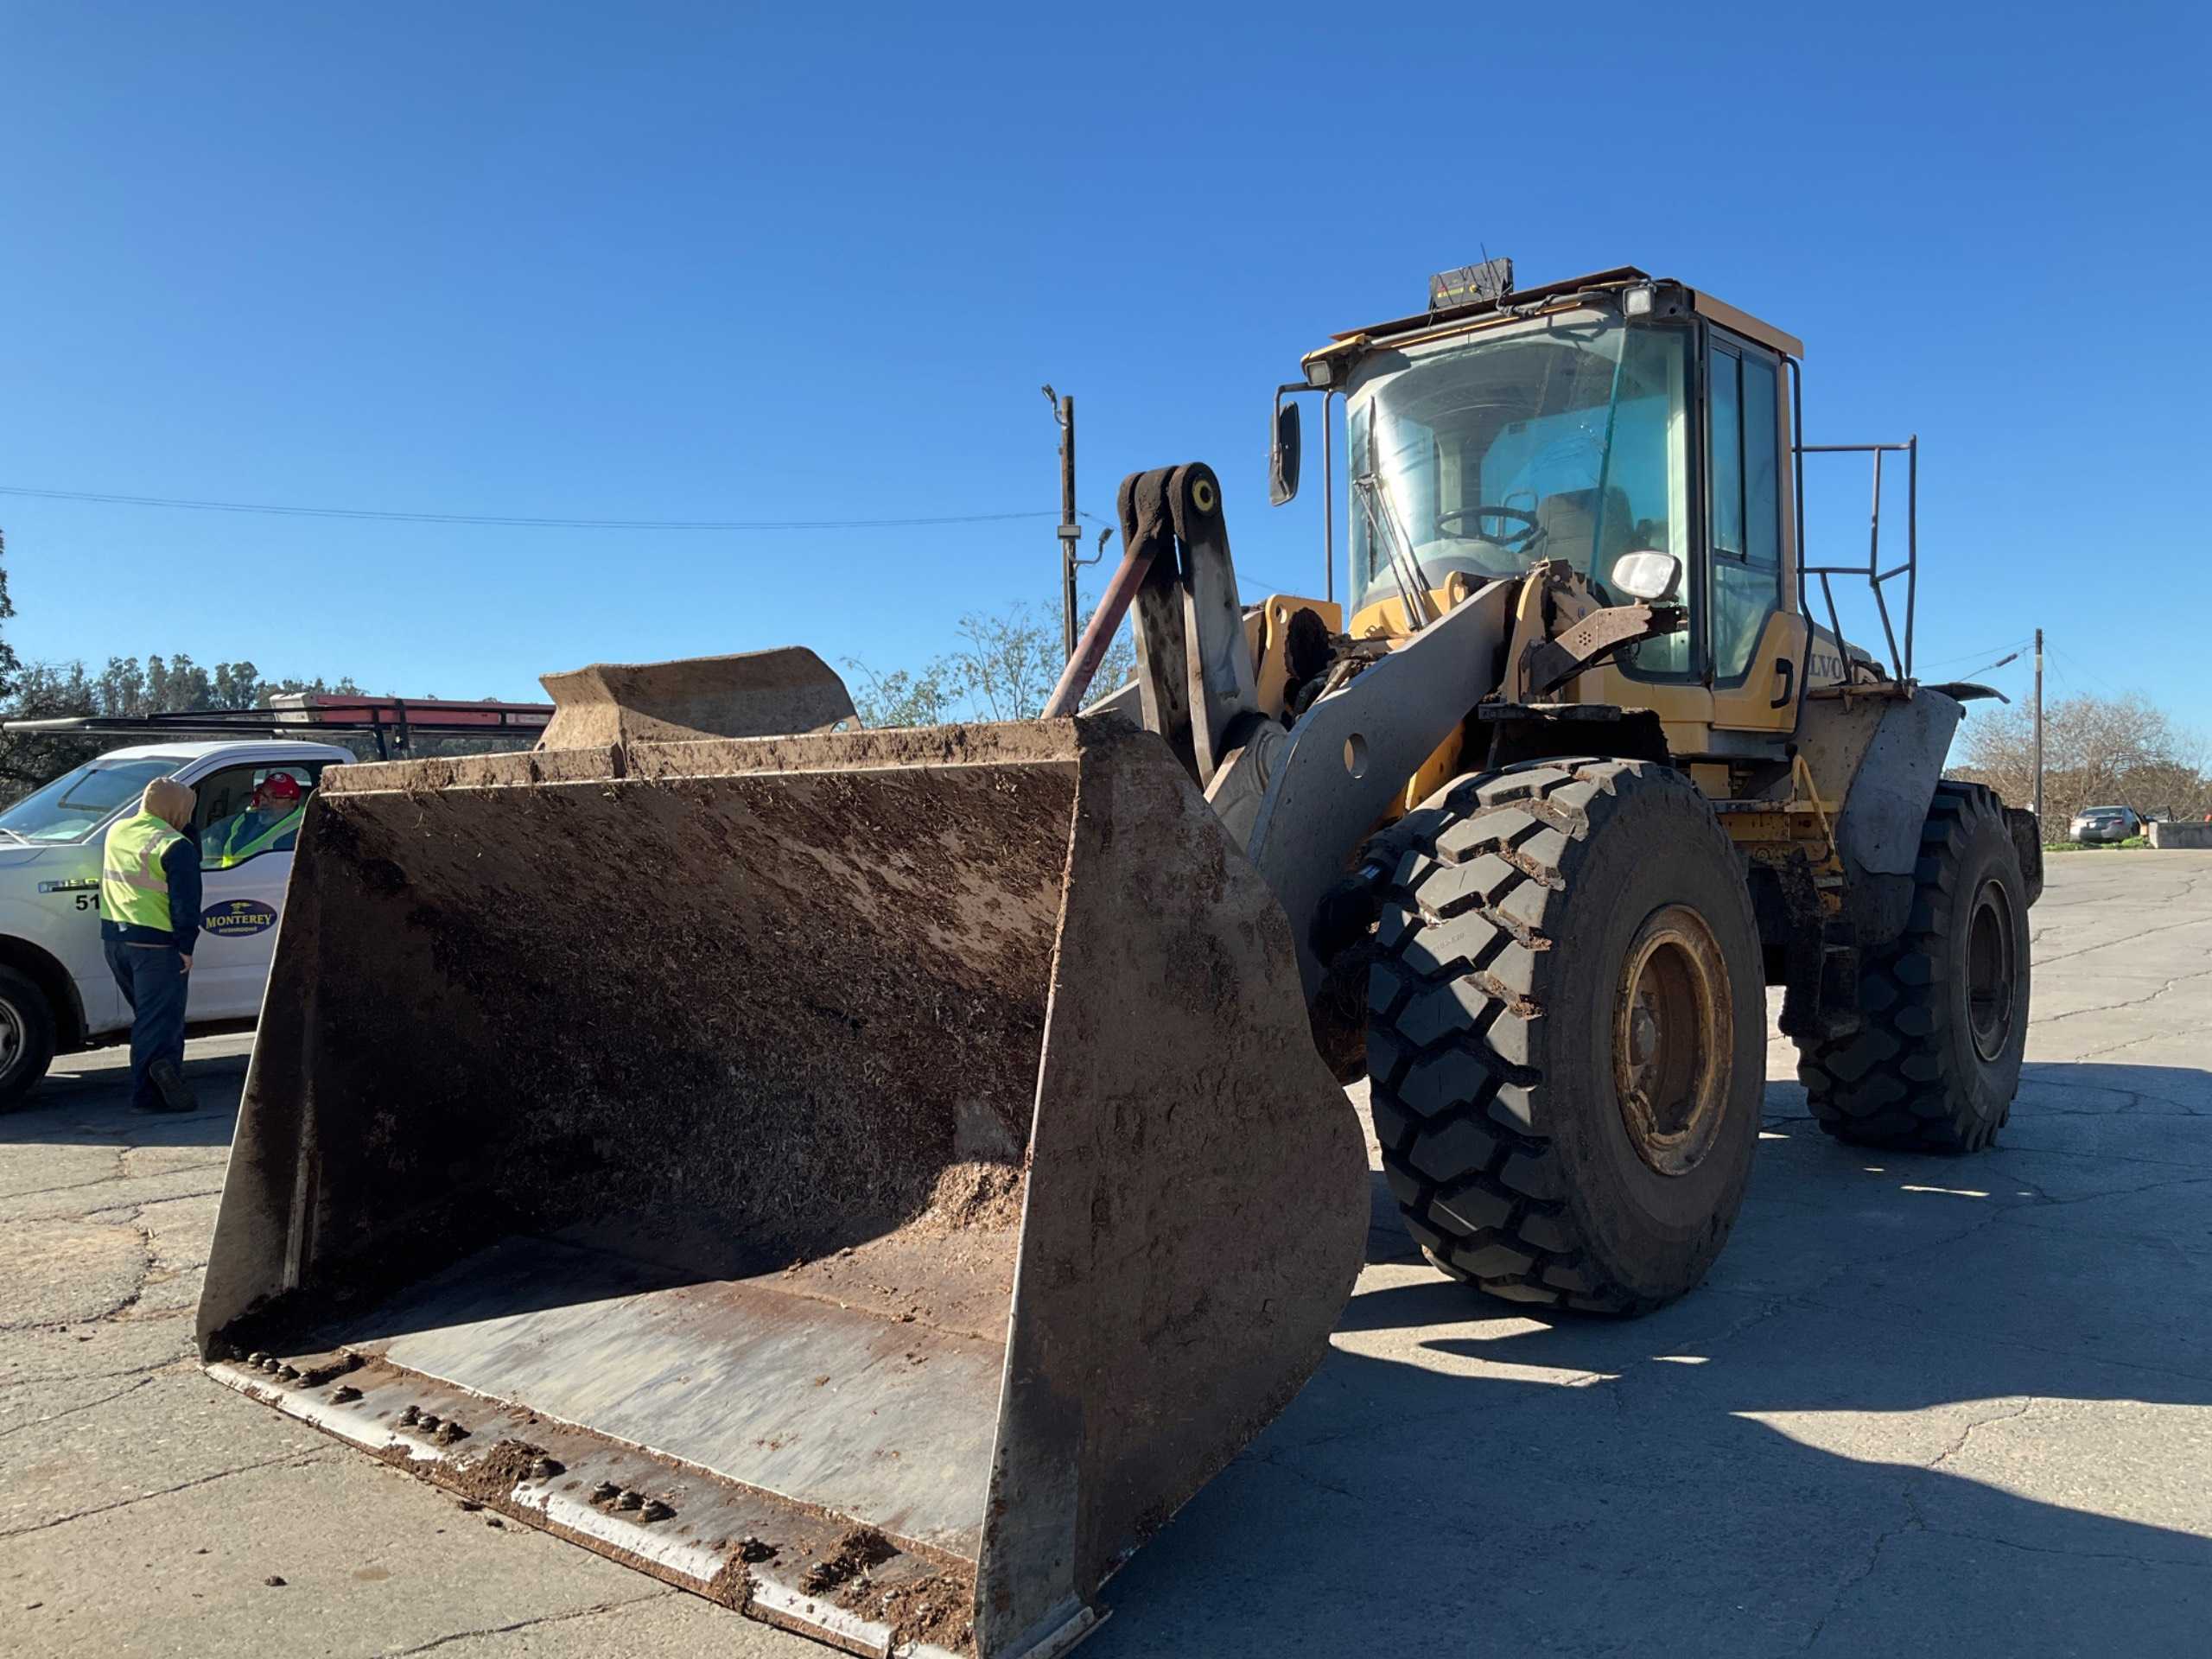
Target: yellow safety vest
(134, 887)
(227, 853)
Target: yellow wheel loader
(873, 1178)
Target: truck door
(245, 862)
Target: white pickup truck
(55, 993)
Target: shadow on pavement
(86, 1099)
(1831, 1442)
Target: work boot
(174, 1094)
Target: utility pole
(1071, 532)
(2039, 725)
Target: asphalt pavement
(1923, 1405)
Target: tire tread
(1891, 1082)
(1481, 1191)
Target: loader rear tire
(1566, 1033)
(1937, 1061)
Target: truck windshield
(1564, 440)
(78, 803)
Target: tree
(132, 689)
(2097, 752)
(44, 691)
(1003, 668)
(921, 696)
(9, 665)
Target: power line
(1244, 571)
(517, 522)
(2085, 669)
(1987, 651)
(1985, 667)
(512, 521)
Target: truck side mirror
(1283, 453)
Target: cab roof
(1449, 319)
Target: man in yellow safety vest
(271, 819)
(149, 916)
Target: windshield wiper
(1382, 524)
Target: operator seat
(1570, 521)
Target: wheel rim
(1989, 971)
(1674, 1032)
(11, 1036)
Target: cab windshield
(78, 803)
(1567, 439)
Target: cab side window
(1744, 463)
(244, 811)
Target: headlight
(1648, 576)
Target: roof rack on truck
(394, 722)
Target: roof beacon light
(1483, 284)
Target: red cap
(278, 786)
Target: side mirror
(1283, 453)
(1647, 576)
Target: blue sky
(716, 262)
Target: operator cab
(1630, 428)
(1500, 430)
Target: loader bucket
(870, 1180)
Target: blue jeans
(153, 982)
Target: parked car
(2105, 824)
(56, 995)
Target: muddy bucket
(870, 1180)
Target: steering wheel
(1512, 540)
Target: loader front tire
(1936, 1061)
(1566, 1033)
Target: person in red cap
(270, 817)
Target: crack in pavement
(118, 1175)
(1917, 1522)
(1843, 1590)
(1274, 1461)
(2007, 1171)
(2055, 1074)
(147, 1268)
(297, 1460)
(1967, 1433)
(2128, 939)
(531, 1624)
(2114, 1048)
(183, 1316)
(217, 1159)
(137, 1206)
(2128, 1002)
(2053, 1549)
(90, 1404)
(2040, 1200)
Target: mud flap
(870, 1180)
